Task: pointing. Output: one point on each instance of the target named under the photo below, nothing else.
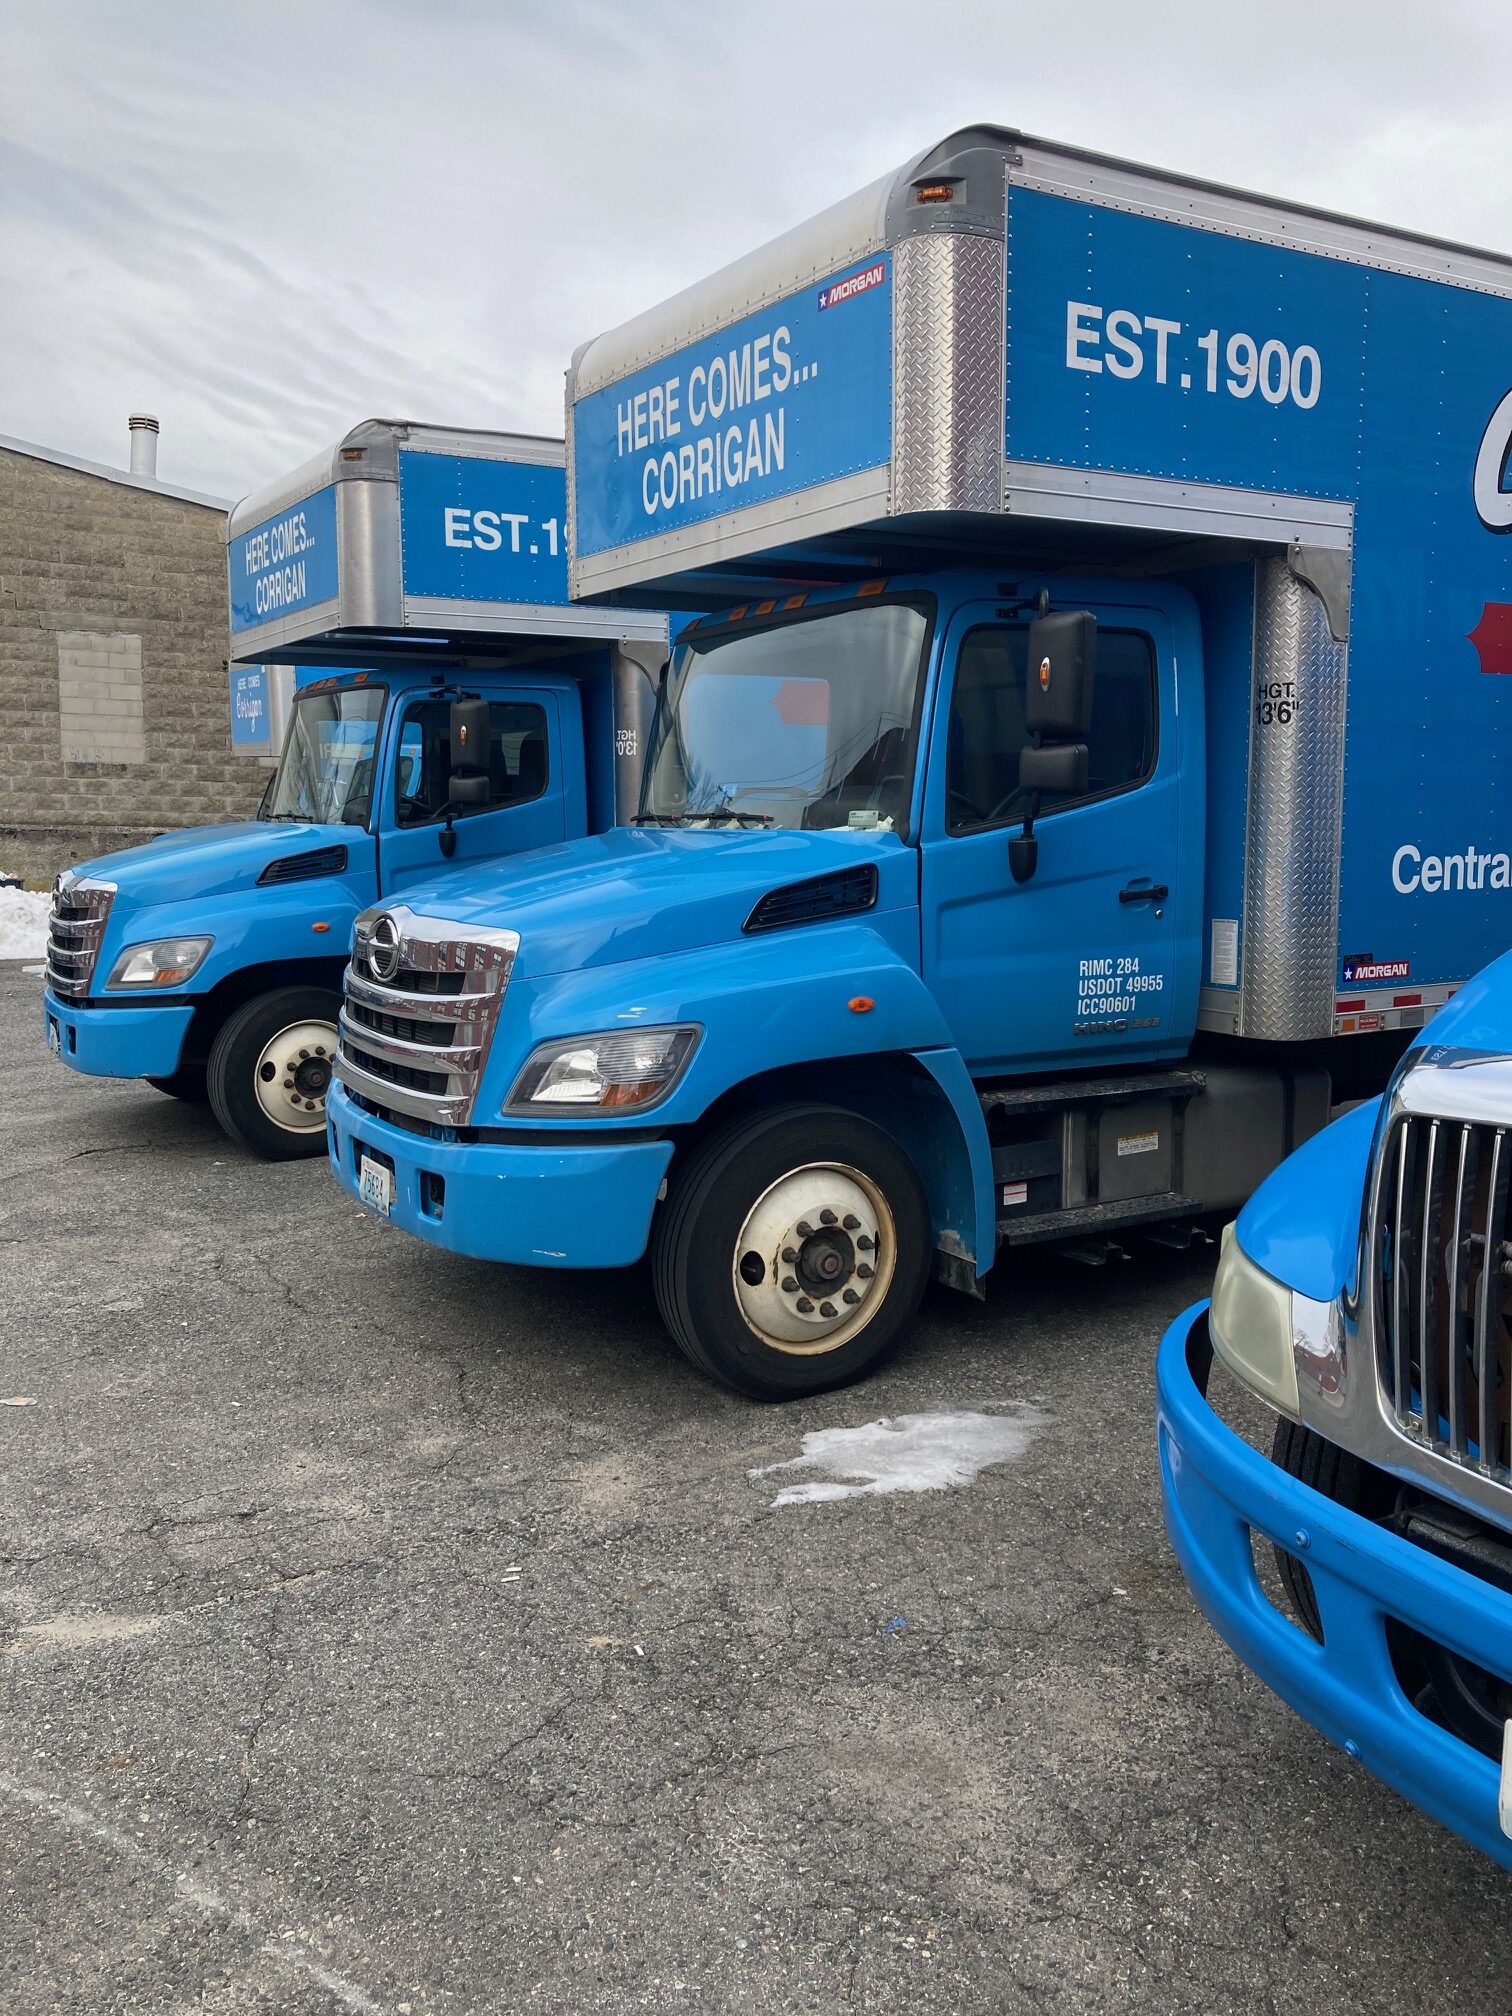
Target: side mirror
(1062, 668)
(468, 782)
(1058, 714)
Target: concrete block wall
(114, 715)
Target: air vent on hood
(305, 867)
(821, 896)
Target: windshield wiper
(725, 812)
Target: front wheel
(792, 1251)
(269, 1068)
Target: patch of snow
(23, 923)
(908, 1452)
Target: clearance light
(860, 1004)
(763, 608)
(794, 602)
(872, 588)
(934, 192)
(320, 927)
(165, 962)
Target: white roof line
(122, 476)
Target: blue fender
(1303, 1223)
(777, 1004)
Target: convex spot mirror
(1062, 670)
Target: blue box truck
(209, 961)
(1055, 818)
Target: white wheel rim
(291, 1075)
(814, 1259)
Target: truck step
(1095, 1220)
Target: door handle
(1138, 892)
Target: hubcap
(292, 1075)
(814, 1259)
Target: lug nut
(304, 1053)
(850, 1296)
(790, 1254)
(851, 1222)
(865, 1245)
(826, 1309)
(828, 1218)
(804, 1306)
(288, 1084)
(863, 1272)
(789, 1285)
(805, 1230)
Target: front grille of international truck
(1443, 1288)
(422, 1000)
(75, 927)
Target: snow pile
(909, 1452)
(23, 923)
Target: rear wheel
(269, 1069)
(792, 1251)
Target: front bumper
(583, 1203)
(145, 1042)
(1216, 1489)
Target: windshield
(326, 770)
(806, 724)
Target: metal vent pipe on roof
(144, 440)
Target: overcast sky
(264, 222)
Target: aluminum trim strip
(1118, 186)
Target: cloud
(266, 221)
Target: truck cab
(209, 962)
(1363, 1297)
(1012, 862)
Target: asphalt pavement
(386, 1632)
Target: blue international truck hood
(208, 861)
(636, 892)
(1479, 1016)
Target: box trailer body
(406, 566)
(1263, 447)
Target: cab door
(529, 785)
(1076, 967)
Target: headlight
(165, 962)
(1251, 1326)
(622, 1070)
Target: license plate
(54, 1037)
(376, 1186)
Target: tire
(1337, 1475)
(187, 1083)
(268, 1071)
(763, 1328)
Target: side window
(518, 762)
(987, 731)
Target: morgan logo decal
(839, 291)
(1367, 972)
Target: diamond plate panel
(1296, 792)
(948, 374)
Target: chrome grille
(75, 927)
(415, 1034)
(1442, 1248)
